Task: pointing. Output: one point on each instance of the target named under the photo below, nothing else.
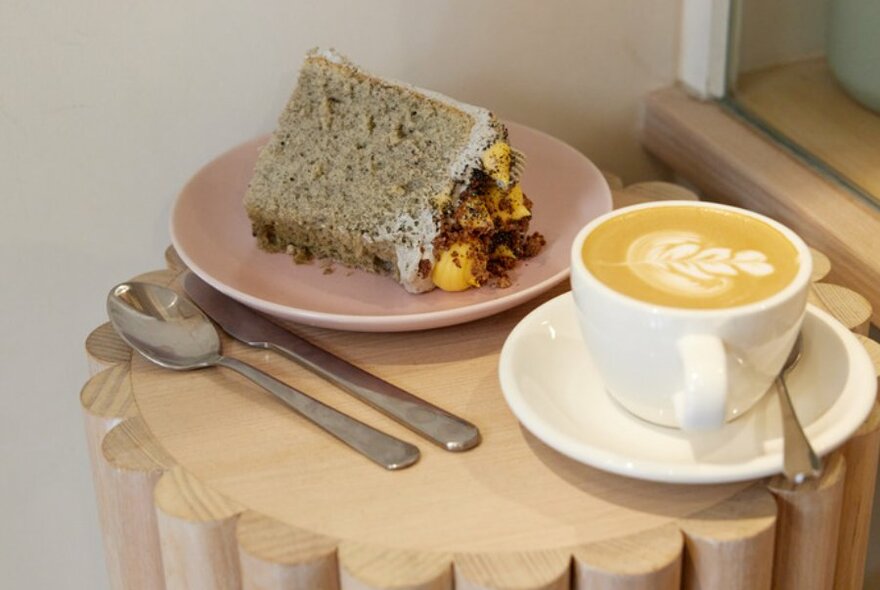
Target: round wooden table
(204, 481)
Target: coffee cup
(688, 309)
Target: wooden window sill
(803, 103)
(731, 162)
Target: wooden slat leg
(730, 546)
(106, 400)
(275, 556)
(104, 349)
(132, 466)
(861, 454)
(655, 190)
(646, 192)
(873, 349)
(613, 180)
(549, 570)
(364, 567)
(647, 561)
(808, 530)
(851, 309)
(821, 265)
(197, 534)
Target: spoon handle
(799, 460)
(437, 425)
(442, 428)
(389, 452)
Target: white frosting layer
(408, 258)
(330, 55)
(421, 236)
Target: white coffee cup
(680, 366)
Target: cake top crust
(486, 129)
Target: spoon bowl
(172, 332)
(163, 326)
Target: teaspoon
(799, 461)
(172, 332)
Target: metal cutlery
(244, 324)
(172, 332)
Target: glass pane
(808, 72)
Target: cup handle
(702, 403)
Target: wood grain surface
(104, 348)
(808, 529)
(368, 567)
(848, 307)
(730, 546)
(197, 534)
(250, 447)
(860, 454)
(803, 102)
(226, 488)
(131, 465)
(275, 556)
(650, 560)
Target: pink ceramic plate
(212, 234)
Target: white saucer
(549, 382)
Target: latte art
(692, 257)
(680, 263)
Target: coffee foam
(682, 263)
(691, 257)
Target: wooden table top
(213, 451)
(511, 493)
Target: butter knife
(246, 325)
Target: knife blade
(442, 428)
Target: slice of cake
(381, 176)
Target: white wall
(106, 108)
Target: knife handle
(435, 424)
(389, 452)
